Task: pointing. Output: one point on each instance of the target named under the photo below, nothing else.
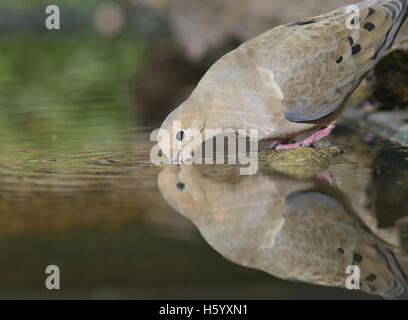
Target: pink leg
(276, 143)
(308, 142)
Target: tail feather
(398, 11)
(399, 289)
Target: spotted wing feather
(320, 61)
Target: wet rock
(393, 125)
(301, 163)
(388, 192)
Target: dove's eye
(180, 187)
(180, 135)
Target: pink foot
(308, 142)
(324, 176)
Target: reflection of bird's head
(176, 187)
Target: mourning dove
(289, 80)
(291, 229)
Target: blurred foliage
(52, 86)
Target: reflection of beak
(176, 159)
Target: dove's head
(183, 129)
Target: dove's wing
(332, 239)
(319, 62)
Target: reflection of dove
(289, 80)
(286, 227)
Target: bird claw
(276, 144)
(308, 142)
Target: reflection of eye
(180, 135)
(180, 187)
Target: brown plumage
(293, 78)
(295, 230)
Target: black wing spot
(339, 60)
(370, 11)
(355, 20)
(357, 257)
(341, 250)
(371, 277)
(369, 26)
(351, 40)
(356, 49)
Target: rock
(388, 82)
(388, 192)
(301, 163)
(393, 125)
